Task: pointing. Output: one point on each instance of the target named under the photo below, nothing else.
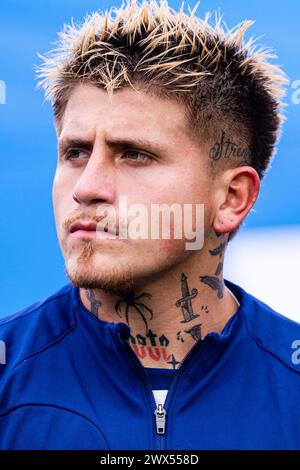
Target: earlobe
(240, 189)
(223, 224)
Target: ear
(237, 191)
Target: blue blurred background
(263, 258)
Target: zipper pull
(160, 417)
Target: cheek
(61, 196)
(188, 197)
(55, 191)
(163, 253)
(57, 194)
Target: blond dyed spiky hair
(227, 86)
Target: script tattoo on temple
(95, 303)
(131, 302)
(225, 149)
(185, 303)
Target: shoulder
(31, 329)
(272, 332)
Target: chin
(114, 279)
(89, 267)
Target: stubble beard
(82, 272)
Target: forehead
(91, 110)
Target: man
(147, 346)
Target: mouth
(90, 231)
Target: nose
(96, 183)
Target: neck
(168, 315)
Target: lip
(80, 226)
(89, 231)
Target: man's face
(163, 165)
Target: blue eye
(144, 157)
(73, 154)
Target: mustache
(112, 221)
(83, 218)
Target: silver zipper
(160, 418)
(160, 412)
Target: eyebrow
(74, 142)
(113, 143)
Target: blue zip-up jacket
(72, 381)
